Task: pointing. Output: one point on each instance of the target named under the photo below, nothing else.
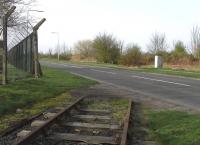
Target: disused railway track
(74, 125)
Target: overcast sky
(129, 20)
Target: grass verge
(170, 71)
(165, 71)
(96, 64)
(174, 128)
(15, 74)
(27, 92)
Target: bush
(107, 48)
(132, 56)
(147, 59)
(179, 54)
(165, 55)
(65, 56)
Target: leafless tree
(195, 41)
(17, 22)
(18, 17)
(65, 49)
(158, 43)
(50, 52)
(65, 52)
(84, 48)
(121, 46)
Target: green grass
(14, 74)
(174, 128)
(61, 100)
(28, 91)
(166, 71)
(169, 71)
(97, 64)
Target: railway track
(73, 125)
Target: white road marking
(104, 71)
(75, 66)
(67, 65)
(134, 76)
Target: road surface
(179, 90)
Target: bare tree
(20, 23)
(121, 46)
(84, 48)
(158, 43)
(18, 17)
(64, 48)
(50, 52)
(195, 41)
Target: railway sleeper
(94, 112)
(84, 138)
(78, 125)
(92, 125)
(92, 118)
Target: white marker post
(158, 61)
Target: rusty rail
(42, 129)
(126, 125)
(19, 125)
(35, 133)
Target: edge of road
(174, 102)
(174, 76)
(177, 103)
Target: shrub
(179, 53)
(132, 56)
(107, 48)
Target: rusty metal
(122, 140)
(39, 130)
(126, 125)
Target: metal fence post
(25, 53)
(35, 50)
(1, 49)
(5, 19)
(4, 72)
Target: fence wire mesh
(21, 55)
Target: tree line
(106, 48)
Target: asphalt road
(179, 90)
